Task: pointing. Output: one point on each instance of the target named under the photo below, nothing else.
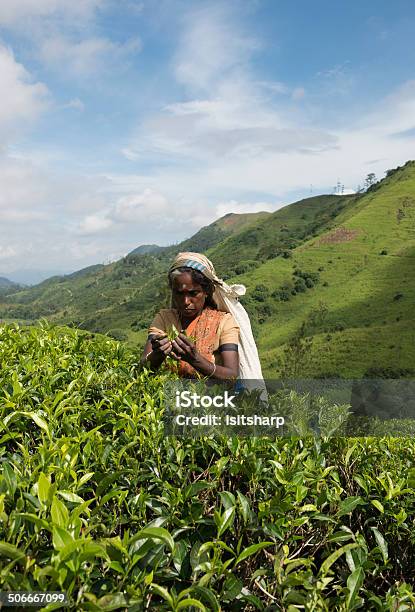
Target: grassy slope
(361, 325)
(218, 231)
(283, 229)
(361, 286)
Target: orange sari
(204, 330)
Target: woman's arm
(183, 348)
(228, 371)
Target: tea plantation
(97, 502)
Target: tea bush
(97, 502)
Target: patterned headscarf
(200, 262)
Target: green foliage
(260, 293)
(295, 358)
(96, 501)
(283, 295)
(244, 266)
(117, 334)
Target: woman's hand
(184, 349)
(161, 344)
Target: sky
(128, 122)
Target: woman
(215, 338)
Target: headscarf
(226, 298)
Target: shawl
(204, 329)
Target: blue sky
(125, 122)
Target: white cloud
(91, 251)
(238, 117)
(231, 143)
(22, 99)
(15, 13)
(24, 190)
(207, 129)
(133, 210)
(273, 161)
(244, 207)
(93, 224)
(7, 252)
(276, 87)
(62, 34)
(335, 72)
(234, 135)
(140, 207)
(398, 107)
(75, 103)
(210, 47)
(339, 80)
(84, 57)
(130, 154)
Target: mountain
(88, 271)
(276, 234)
(33, 276)
(343, 303)
(207, 236)
(144, 249)
(330, 283)
(215, 233)
(117, 297)
(5, 283)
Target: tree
(370, 180)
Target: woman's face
(188, 297)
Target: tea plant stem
(261, 588)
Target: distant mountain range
(5, 283)
(330, 283)
(31, 276)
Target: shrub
(97, 501)
(245, 266)
(260, 293)
(283, 295)
(300, 285)
(118, 334)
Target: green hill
(277, 234)
(143, 249)
(354, 312)
(330, 283)
(120, 298)
(214, 234)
